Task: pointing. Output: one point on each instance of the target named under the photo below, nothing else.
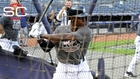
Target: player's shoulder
(4, 18)
(62, 29)
(85, 30)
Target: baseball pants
(8, 44)
(70, 71)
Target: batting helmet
(77, 11)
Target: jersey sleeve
(2, 20)
(82, 34)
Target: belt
(77, 63)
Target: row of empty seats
(128, 6)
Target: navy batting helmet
(77, 11)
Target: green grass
(107, 47)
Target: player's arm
(59, 37)
(47, 45)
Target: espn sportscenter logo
(8, 11)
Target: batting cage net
(113, 25)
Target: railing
(111, 25)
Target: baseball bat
(91, 8)
(42, 13)
(45, 10)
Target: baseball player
(9, 34)
(71, 44)
(137, 54)
(9, 31)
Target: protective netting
(113, 24)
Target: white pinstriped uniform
(8, 44)
(70, 71)
(136, 56)
(137, 50)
